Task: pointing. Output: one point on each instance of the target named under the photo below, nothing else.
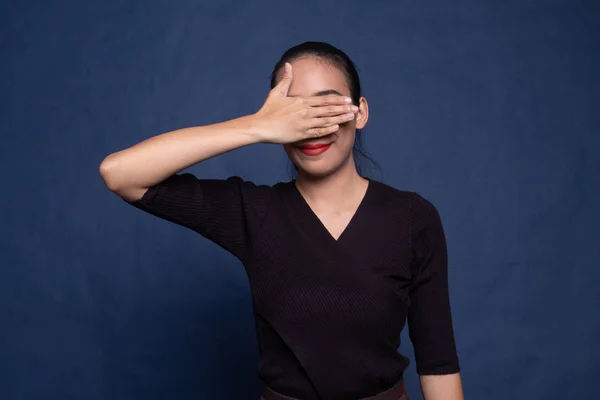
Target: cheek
(345, 140)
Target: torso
(331, 290)
(342, 278)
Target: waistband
(396, 392)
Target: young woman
(336, 262)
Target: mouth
(314, 149)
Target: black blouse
(328, 312)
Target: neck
(342, 186)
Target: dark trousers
(397, 392)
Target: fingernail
(348, 100)
(354, 108)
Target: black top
(328, 312)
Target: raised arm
(130, 172)
(226, 211)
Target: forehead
(312, 75)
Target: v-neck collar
(309, 218)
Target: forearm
(442, 387)
(131, 171)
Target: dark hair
(339, 59)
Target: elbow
(115, 179)
(111, 175)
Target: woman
(336, 262)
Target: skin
(310, 104)
(282, 119)
(329, 182)
(442, 387)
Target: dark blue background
(490, 109)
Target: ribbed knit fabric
(328, 312)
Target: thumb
(284, 84)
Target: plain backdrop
(490, 109)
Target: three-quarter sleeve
(228, 212)
(429, 316)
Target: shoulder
(386, 195)
(403, 200)
(257, 194)
(390, 192)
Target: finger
(328, 111)
(328, 121)
(318, 132)
(330, 99)
(283, 86)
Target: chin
(317, 168)
(315, 172)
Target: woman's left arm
(429, 316)
(442, 387)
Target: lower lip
(315, 151)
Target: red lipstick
(315, 149)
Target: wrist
(255, 127)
